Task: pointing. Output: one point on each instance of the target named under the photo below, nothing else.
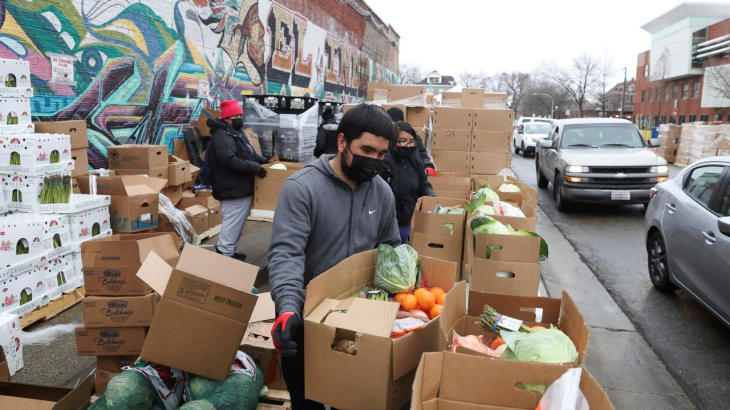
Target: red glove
(283, 332)
(430, 172)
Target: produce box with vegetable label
(57, 238)
(380, 311)
(25, 193)
(33, 150)
(11, 346)
(24, 292)
(89, 224)
(59, 274)
(21, 246)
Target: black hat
(396, 114)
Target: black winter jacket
(233, 162)
(423, 154)
(326, 138)
(406, 193)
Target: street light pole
(552, 105)
(623, 95)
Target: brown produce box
(493, 120)
(137, 156)
(124, 311)
(507, 278)
(197, 215)
(451, 161)
(76, 129)
(452, 118)
(451, 185)
(205, 115)
(18, 396)
(401, 92)
(375, 85)
(489, 163)
(266, 190)
(173, 193)
(418, 117)
(438, 235)
(260, 346)
(204, 312)
(118, 341)
(491, 141)
(526, 195)
(472, 97)
(81, 162)
(178, 171)
(160, 173)
(451, 140)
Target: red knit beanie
(230, 108)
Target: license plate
(621, 195)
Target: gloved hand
(430, 172)
(261, 173)
(283, 332)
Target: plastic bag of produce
(565, 393)
(129, 390)
(169, 383)
(198, 405)
(472, 342)
(239, 391)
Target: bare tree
(410, 74)
(474, 80)
(603, 85)
(578, 80)
(717, 79)
(535, 102)
(658, 77)
(515, 84)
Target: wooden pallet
(275, 400)
(54, 307)
(207, 234)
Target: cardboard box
(266, 190)
(489, 163)
(385, 366)
(462, 381)
(205, 198)
(451, 118)
(114, 364)
(76, 129)
(513, 248)
(451, 185)
(194, 171)
(103, 378)
(88, 224)
(18, 72)
(401, 92)
(204, 311)
(181, 150)
(451, 140)
(110, 341)
(375, 85)
(33, 397)
(425, 221)
(137, 156)
(472, 98)
(173, 193)
(258, 344)
(419, 117)
(111, 264)
(197, 215)
(161, 173)
(81, 162)
(491, 141)
(508, 278)
(205, 115)
(134, 200)
(130, 311)
(493, 120)
(33, 150)
(178, 171)
(11, 346)
(527, 195)
(451, 161)
(4, 369)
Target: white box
(15, 78)
(59, 274)
(84, 224)
(18, 108)
(24, 292)
(10, 341)
(4, 208)
(35, 149)
(76, 247)
(16, 129)
(57, 235)
(16, 229)
(78, 203)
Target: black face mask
(404, 152)
(237, 123)
(362, 169)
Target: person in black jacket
(402, 169)
(326, 134)
(396, 115)
(233, 163)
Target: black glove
(261, 173)
(283, 332)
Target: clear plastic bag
(177, 219)
(565, 393)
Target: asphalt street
(692, 344)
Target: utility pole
(623, 95)
(552, 105)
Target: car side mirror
(653, 143)
(547, 144)
(723, 224)
(520, 131)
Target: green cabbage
(197, 405)
(508, 188)
(490, 226)
(486, 210)
(278, 166)
(397, 270)
(545, 346)
(448, 210)
(485, 224)
(129, 390)
(237, 391)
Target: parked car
(688, 234)
(600, 160)
(527, 136)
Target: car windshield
(537, 128)
(545, 121)
(601, 136)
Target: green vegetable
(26, 296)
(197, 405)
(22, 247)
(238, 391)
(397, 270)
(448, 210)
(17, 195)
(57, 241)
(95, 229)
(477, 200)
(545, 346)
(493, 227)
(486, 210)
(378, 294)
(61, 278)
(506, 187)
(129, 390)
(543, 245)
(12, 119)
(10, 81)
(485, 224)
(56, 189)
(14, 158)
(450, 226)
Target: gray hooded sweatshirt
(320, 221)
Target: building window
(704, 118)
(681, 120)
(718, 117)
(651, 95)
(658, 94)
(666, 92)
(692, 118)
(685, 91)
(643, 96)
(675, 92)
(696, 90)
(646, 70)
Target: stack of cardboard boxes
(79, 141)
(119, 307)
(438, 236)
(201, 210)
(15, 97)
(670, 136)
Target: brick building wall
(142, 70)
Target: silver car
(688, 234)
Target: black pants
(293, 370)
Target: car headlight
(528, 138)
(661, 169)
(576, 169)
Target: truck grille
(622, 181)
(617, 170)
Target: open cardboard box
(458, 381)
(385, 366)
(438, 235)
(197, 215)
(111, 264)
(451, 185)
(526, 195)
(258, 344)
(266, 190)
(507, 278)
(204, 312)
(178, 171)
(529, 222)
(458, 317)
(32, 397)
(513, 248)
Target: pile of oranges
(429, 301)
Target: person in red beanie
(233, 164)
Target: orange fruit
(496, 343)
(426, 300)
(440, 299)
(419, 291)
(409, 302)
(397, 298)
(437, 291)
(435, 311)
(538, 328)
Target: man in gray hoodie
(333, 208)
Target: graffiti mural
(138, 64)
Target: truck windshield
(601, 136)
(536, 128)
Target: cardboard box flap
(154, 184)
(128, 250)
(196, 209)
(572, 323)
(407, 350)
(4, 368)
(265, 308)
(155, 272)
(347, 276)
(32, 397)
(364, 316)
(454, 307)
(518, 307)
(514, 248)
(218, 268)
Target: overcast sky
(452, 36)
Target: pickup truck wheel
(524, 151)
(560, 202)
(542, 182)
(517, 150)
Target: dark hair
(328, 114)
(366, 118)
(403, 126)
(396, 114)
